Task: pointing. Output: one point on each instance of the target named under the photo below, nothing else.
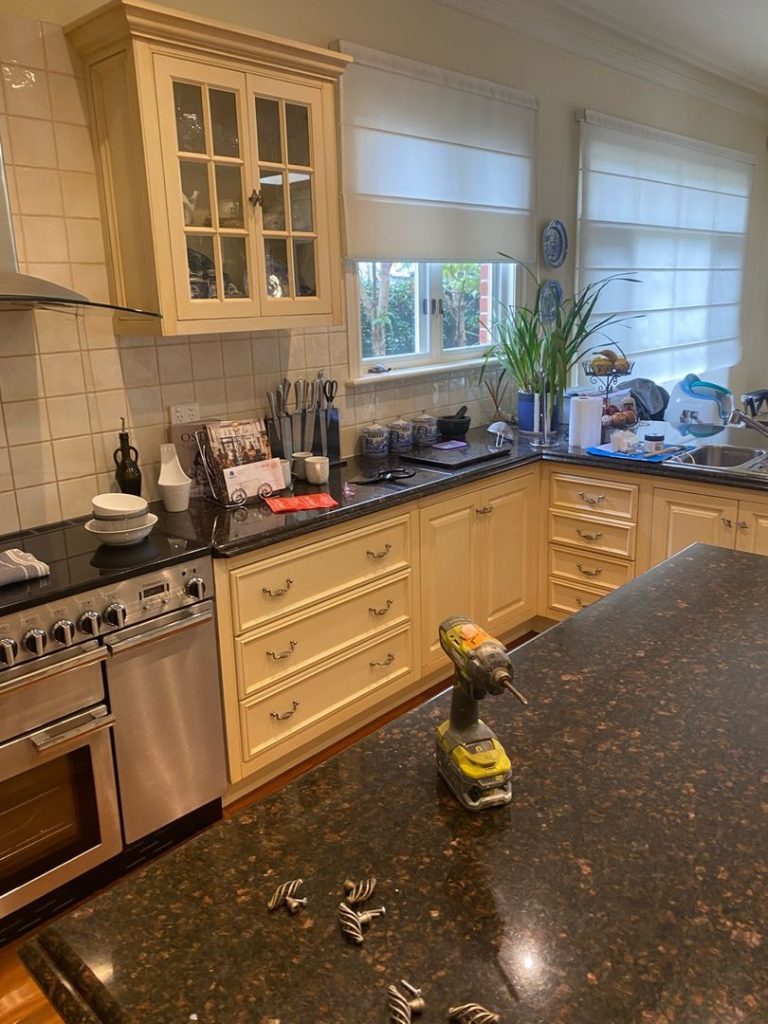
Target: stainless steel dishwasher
(165, 695)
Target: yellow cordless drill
(469, 757)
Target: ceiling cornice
(570, 28)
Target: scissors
(387, 476)
(330, 387)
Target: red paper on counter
(301, 503)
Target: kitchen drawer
(584, 494)
(585, 568)
(307, 575)
(286, 711)
(592, 533)
(570, 598)
(285, 648)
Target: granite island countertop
(626, 883)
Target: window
(672, 212)
(437, 180)
(419, 313)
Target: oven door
(58, 799)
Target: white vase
(173, 482)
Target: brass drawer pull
(280, 716)
(280, 592)
(585, 604)
(727, 522)
(588, 536)
(485, 510)
(590, 500)
(741, 524)
(588, 572)
(379, 554)
(381, 611)
(382, 664)
(283, 654)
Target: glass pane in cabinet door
(272, 204)
(235, 267)
(202, 267)
(229, 196)
(195, 193)
(226, 139)
(297, 134)
(300, 187)
(190, 120)
(304, 262)
(276, 258)
(268, 130)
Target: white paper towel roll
(592, 421)
(576, 422)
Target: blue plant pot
(526, 402)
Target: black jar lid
(654, 437)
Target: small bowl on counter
(453, 428)
(107, 534)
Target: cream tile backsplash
(65, 381)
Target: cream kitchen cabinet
(479, 557)
(716, 515)
(216, 152)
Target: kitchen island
(626, 883)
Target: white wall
(63, 388)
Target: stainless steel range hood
(20, 291)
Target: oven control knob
(114, 614)
(63, 632)
(35, 641)
(8, 651)
(196, 588)
(90, 622)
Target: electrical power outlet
(186, 413)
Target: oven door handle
(83, 725)
(186, 619)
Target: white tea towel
(17, 565)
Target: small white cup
(285, 466)
(175, 496)
(317, 468)
(298, 464)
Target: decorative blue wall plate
(554, 243)
(550, 297)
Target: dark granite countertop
(626, 883)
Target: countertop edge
(54, 985)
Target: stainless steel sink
(719, 457)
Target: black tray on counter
(455, 458)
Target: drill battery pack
(476, 769)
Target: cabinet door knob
(278, 656)
(589, 499)
(381, 611)
(280, 591)
(588, 572)
(588, 536)
(727, 522)
(485, 510)
(379, 554)
(256, 198)
(280, 716)
(382, 664)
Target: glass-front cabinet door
(205, 158)
(292, 230)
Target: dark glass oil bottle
(128, 474)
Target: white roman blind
(435, 165)
(672, 212)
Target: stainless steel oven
(58, 799)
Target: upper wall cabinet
(216, 148)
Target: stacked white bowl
(120, 519)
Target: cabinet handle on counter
(280, 716)
(381, 611)
(589, 500)
(283, 654)
(727, 522)
(485, 510)
(381, 664)
(379, 554)
(280, 592)
(588, 536)
(588, 572)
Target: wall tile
(75, 496)
(139, 366)
(240, 395)
(211, 397)
(61, 273)
(17, 334)
(86, 243)
(67, 99)
(58, 55)
(73, 147)
(63, 374)
(9, 516)
(80, 193)
(106, 409)
(56, 332)
(206, 361)
(38, 505)
(25, 91)
(21, 40)
(32, 142)
(20, 377)
(32, 464)
(236, 356)
(316, 351)
(176, 394)
(265, 352)
(26, 422)
(6, 480)
(144, 406)
(90, 279)
(45, 239)
(39, 192)
(74, 457)
(106, 369)
(68, 416)
(174, 363)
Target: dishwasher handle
(168, 625)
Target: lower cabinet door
(507, 525)
(681, 518)
(752, 527)
(283, 715)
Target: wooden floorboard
(22, 1002)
